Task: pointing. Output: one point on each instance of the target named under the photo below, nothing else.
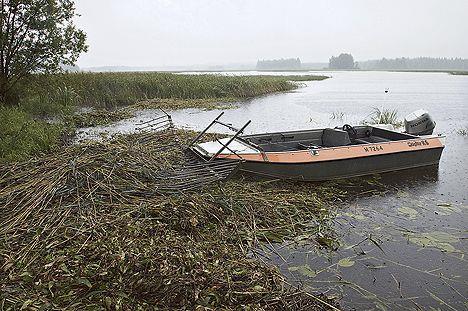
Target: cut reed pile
(88, 228)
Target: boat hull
(344, 168)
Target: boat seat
(335, 138)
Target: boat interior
(324, 138)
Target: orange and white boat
(330, 153)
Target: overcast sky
(177, 32)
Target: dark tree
(37, 36)
(344, 61)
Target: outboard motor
(419, 123)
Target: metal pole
(204, 131)
(230, 141)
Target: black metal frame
(161, 122)
(224, 146)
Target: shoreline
(49, 109)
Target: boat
(327, 153)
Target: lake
(402, 237)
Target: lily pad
(346, 262)
(447, 210)
(304, 270)
(409, 212)
(436, 239)
(356, 216)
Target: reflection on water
(402, 240)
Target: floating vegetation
(355, 216)
(436, 239)
(409, 212)
(447, 209)
(100, 116)
(88, 227)
(346, 262)
(304, 270)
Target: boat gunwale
(418, 138)
(340, 159)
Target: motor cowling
(419, 122)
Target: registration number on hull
(375, 148)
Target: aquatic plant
(462, 131)
(337, 115)
(125, 88)
(384, 116)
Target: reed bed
(107, 90)
(87, 228)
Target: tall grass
(385, 116)
(22, 137)
(108, 90)
(24, 133)
(337, 115)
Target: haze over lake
(162, 34)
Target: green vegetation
(115, 96)
(384, 116)
(86, 228)
(36, 36)
(22, 137)
(298, 78)
(110, 90)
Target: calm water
(402, 248)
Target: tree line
(279, 64)
(418, 63)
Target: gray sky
(177, 32)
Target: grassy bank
(22, 136)
(86, 228)
(114, 96)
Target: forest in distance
(345, 61)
